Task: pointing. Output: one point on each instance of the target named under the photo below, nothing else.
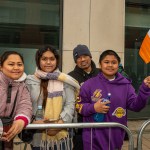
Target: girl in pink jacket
(12, 78)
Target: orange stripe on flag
(145, 48)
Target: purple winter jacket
(123, 97)
(23, 105)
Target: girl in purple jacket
(12, 78)
(111, 85)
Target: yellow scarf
(54, 101)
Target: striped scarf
(54, 102)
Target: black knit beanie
(80, 50)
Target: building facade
(97, 23)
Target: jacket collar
(6, 80)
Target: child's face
(48, 62)
(109, 66)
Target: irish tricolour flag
(145, 48)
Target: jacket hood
(6, 80)
(118, 80)
(22, 78)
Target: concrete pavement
(134, 126)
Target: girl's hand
(147, 81)
(15, 129)
(101, 107)
(53, 132)
(42, 121)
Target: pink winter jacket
(23, 105)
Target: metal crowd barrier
(140, 133)
(86, 125)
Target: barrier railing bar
(140, 133)
(86, 125)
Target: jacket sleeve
(24, 105)
(84, 104)
(137, 102)
(68, 103)
(34, 89)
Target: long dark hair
(38, 55)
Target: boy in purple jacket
(122, 97)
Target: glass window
(27, 25)
(137, 24)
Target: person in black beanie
(85, 69)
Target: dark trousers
(1, 145)
(77, 142)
